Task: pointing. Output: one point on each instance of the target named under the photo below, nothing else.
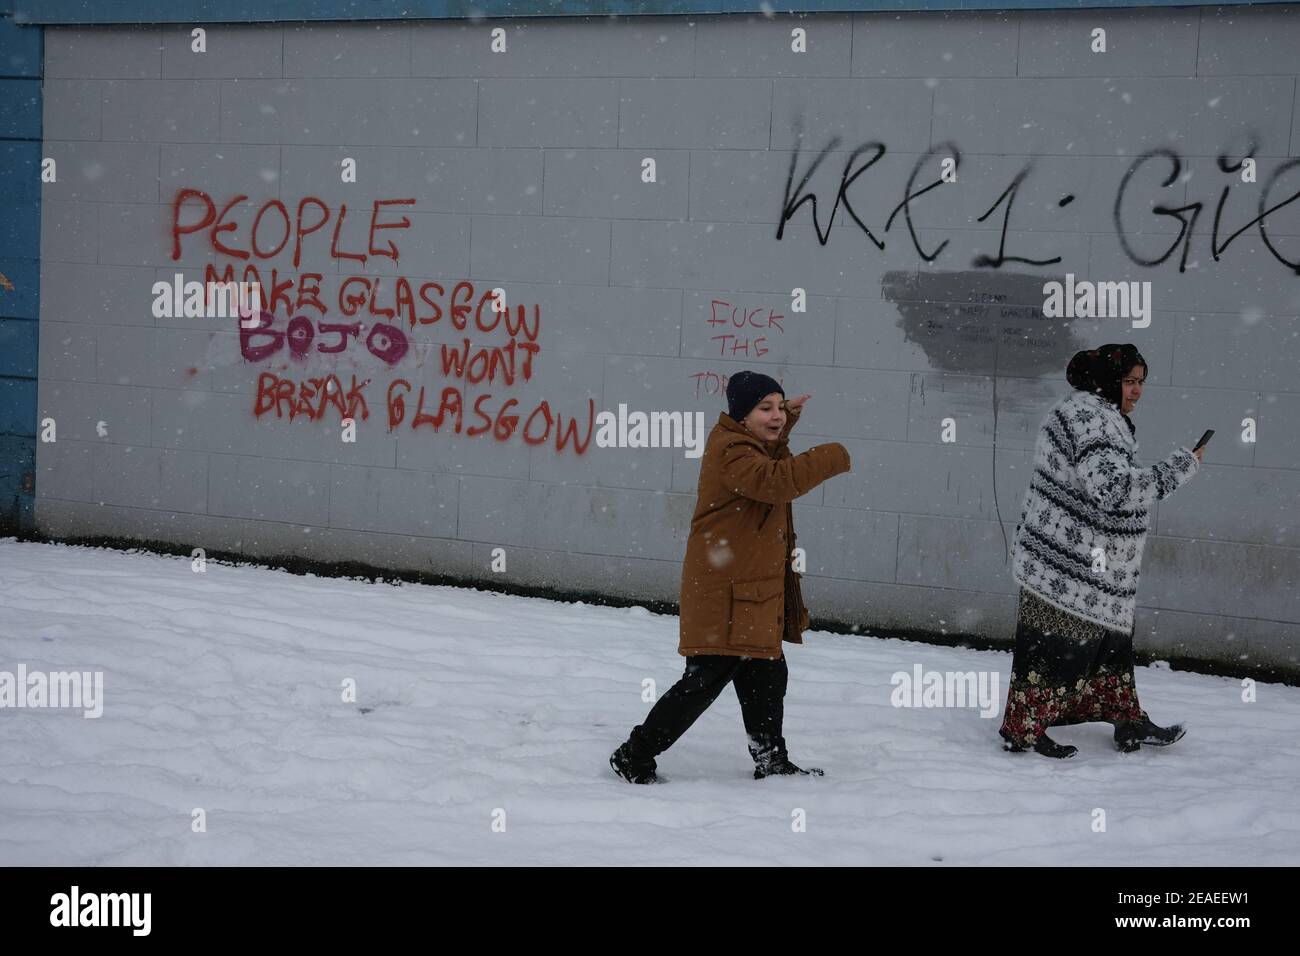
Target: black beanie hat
(747, 389)
(1101, 369)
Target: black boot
(1048, 747)
(1132, 734)
(632, 768)
(1045, 745)
(777, 763)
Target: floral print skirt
(1066, 670)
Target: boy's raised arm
(748, 471)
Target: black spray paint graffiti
(790, 205)
(965, 325)
(795, 196)
(1187, 215)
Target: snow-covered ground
(223, 691)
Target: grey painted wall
(525, 168)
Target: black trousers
(760, 687)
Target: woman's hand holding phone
(1199, 450)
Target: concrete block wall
(526, 171)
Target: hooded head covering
(1100, 370)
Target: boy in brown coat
(740, 598)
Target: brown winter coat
(734, 578)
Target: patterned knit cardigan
(1084, 522)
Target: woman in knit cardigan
(1076, 554)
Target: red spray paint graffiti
(374, 316)
(735, 327)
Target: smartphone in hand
(1209, 433)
